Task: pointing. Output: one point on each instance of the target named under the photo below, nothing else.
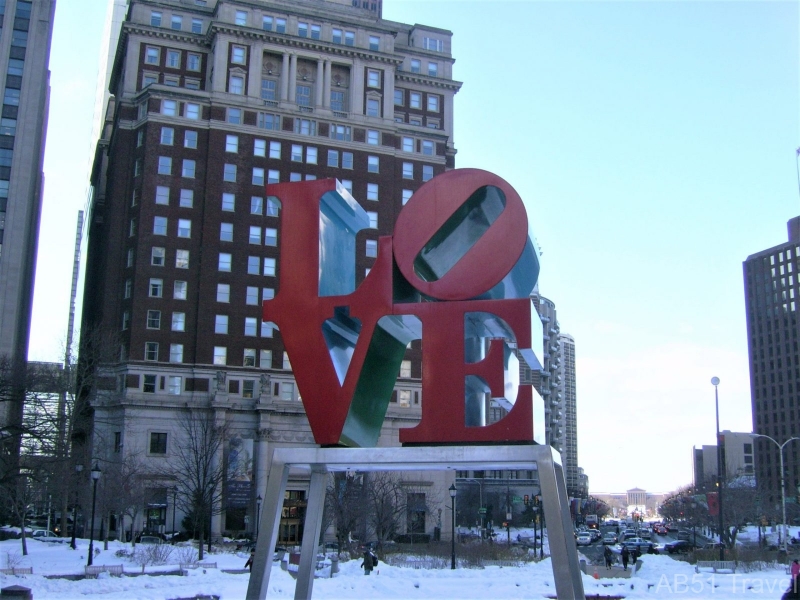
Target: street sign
(482, 510)
(516, 499)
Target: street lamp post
(453, 526)
(783, 480)
(78, 469)
(174, 501)
(715, 383)
(95, 476)
(541, 527)
(258, 513)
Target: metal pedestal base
(321, 461)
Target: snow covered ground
(659, 577)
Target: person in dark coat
(625, 556)
(609, 556)
(249, 563)
(367, 563)
(635, 554)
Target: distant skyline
(639, 134)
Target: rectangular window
(193, 61)
(220, 355)
(256, 205)
(295, 177)
(408, 170)
(221, 324)
(408, 144)
(415, 65)
(407, 196)
(273, 176)
(129, 258)
(349, 38)
(415, 100)
(180, 290)
(181, 259)
(316, 32)
(126, 320)
(275, 150)
(250, 326)
(188, 168)
(398, 98)
(373, 78)
(432, 44)
(267, 294)
(174, 385)
(184, 228)
(190, 139)
(128, 288)
(158, 441)
(433, 69)
(373, 164)
(151, 351)
(373, 107)
(265, 359)
(251, 296)
(178, 321)
(162, 194)
(235, 116)
(372, 191)
(374, 43)
(248, 385)
(297, 153)
(173, 59)
(267, 329)
(269, 267)
(164, 165)
(197, 26)
(270, 236)
(373, 219)
(305, 127)
(311, 155)
(228, 202)
(149, 384)
(236, 84)
(159, 225)
(229, 173)
(427, 172)
(372, 248)
(266, 23)
(157, 257)
(132, 228)
(255, 235)
(167, 135)
(347, 160)
(241, 17)
(156, 288)
(336, 36)
(333, 158)
(280, 25)
(348, 185)
(187, 198)
(223, 292)
(155, 18)
(176, 353)
(224, 263)
(249, 360)
(433, 103)
(302, 29)
(373, 137)
(154, 319)
(259, 147)
(238, 55)
(337, 100)
(427, 147)
(340, 132)
(269, 121)
(152, 55)
(252, 265)
(258, 176)
(226, 232)
(231, 143)
(273, 206)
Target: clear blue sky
(654, 145)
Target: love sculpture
(457, 274)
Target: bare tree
(197, 468)
(344, 502)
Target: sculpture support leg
(311, 531)
(268, 530)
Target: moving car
(678, 547)
(609, 538)
(638, 543)
(584, 538)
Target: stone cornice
(420, 79)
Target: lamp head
(96, 472)
(715, 381)
(453, 490)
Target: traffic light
(505, 524)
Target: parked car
(609, 538)
(684, 534)
(678, 547)
(43, 533)
(584, 538)
(150, 539)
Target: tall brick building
(211, 100)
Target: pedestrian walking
(635, 554)
(367, 563)
(795, 572)
(609, 556)
(625, 556)
(249, 563)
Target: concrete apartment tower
(26, 28)
(210, 101)
(771, 301)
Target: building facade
(737, 455)
(771, 290)
(26, 28)
(211, 101)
